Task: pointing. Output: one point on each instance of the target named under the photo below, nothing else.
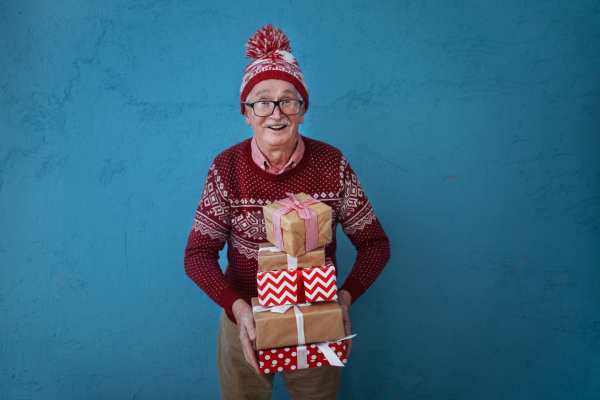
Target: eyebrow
(261, 92)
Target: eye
(263, 103)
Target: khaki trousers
(239, 381)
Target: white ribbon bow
(284, 308)
(329, 354)
(301, 350)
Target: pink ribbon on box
(311, 222)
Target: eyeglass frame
(275, 104)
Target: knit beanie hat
(270, 51)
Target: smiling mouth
(277, 127)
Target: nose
(276, 113)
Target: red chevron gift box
(320, 283)
(303, 356)
(306, 285)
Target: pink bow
(311, 223)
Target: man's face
(276, 129)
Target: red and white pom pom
(265, 41)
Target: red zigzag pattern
(281, 287)
(276, 288)
(320, 283)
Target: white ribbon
(273, 249)
(279, 309)
(300, 325)
(292, 262)
(302, 356)
(284, 308)
(329, 354)
(301, 349)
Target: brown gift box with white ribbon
(293, 228)
(322, 322)
(270, 258)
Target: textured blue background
(473, 126)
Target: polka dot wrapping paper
(286, 358)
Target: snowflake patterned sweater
(230, 210)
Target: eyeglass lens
(287, 107)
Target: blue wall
(473, 126)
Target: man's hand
(245, 322)
(345, 300)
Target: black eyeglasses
(265, 108)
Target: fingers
(244, 317)
(245, 321)
(248, 324)
(348, 332)
(347, 323)
(247, 348)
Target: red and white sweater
(230, 210)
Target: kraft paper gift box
(277, 288)
(271, 258)
(319, 322)
(292, 358)
(293, 227)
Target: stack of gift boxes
(298, 321)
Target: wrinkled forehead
(273, 89)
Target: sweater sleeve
(212, 224)
(365, 232)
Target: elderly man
(255, 172)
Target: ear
(248, 122)
(301, 119)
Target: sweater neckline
(288, 174)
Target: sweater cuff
(227, 297)
(354, 287)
